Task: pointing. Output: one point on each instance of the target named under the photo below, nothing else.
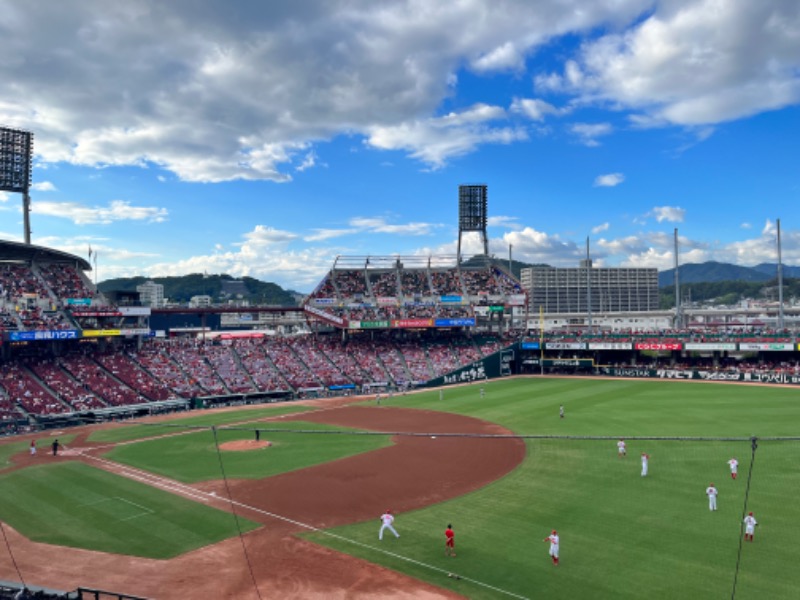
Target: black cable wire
(233, 510)
(754, 446)
(11, 554)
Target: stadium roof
(19, 252)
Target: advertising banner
(35, 336)
(715, 347)
(450, 299)
(325, 315)
(658, 346)
(610, 346)
(565, 345)
(766, 347)
(516, 300)
(529, 346)
(79, 301)
(134, 311)
(90, 333)
(323, 301)
(412, 323)
(465, 322)
(375, 324)
(97, 313)
(387, 301)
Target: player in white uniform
(712, 492)
(621, 450)
(749, 527)
(554, 540)
(561, 411)
(734, 464)
(386, 523)
(645, 461)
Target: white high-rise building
(151, 294)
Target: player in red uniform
(450, 541)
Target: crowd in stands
(417, 292)
(65, 281)
(164, 369)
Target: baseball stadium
(140, 462)
(145, 459)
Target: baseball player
(749, 527)
(33, 447)
(561, 411)
(450, 541)
(483, 393)
(734, 464)
(712, 492)
(622, 452)
(386, 523)
(554, 540)
(645, 461)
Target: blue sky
(264, 139)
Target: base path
(415, 471)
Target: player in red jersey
(450, 541)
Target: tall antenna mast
(780, 280)
(678, 315)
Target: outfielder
(554, 540)
(621, 450)
(734, 464)
(749, 527)
(712, 492)
(645, 461)
(386, 523)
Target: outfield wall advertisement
(687, 374)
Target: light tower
(472, 205)
(16, 149)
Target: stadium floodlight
(16, 152)
(472, 213)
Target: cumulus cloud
(534, 109)
(609, 180)
(216, 94)
(692, 63)
(601, 228)
(436, 140)
(672, 214)
(43, 186)
(587, 133)
(116, 210)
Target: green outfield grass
(193, 457)
(622, 536)
(72, 504)
(124, 432)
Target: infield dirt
(404, 476)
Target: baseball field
(202, 504)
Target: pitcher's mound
(240, 445)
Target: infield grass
(135, 431)
(193, 457)
(622, 535)
(72, 504)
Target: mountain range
(712, 272)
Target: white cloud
(435, 140)
(116, 210)
(693, 63)
(215, 94)
(672, 214)
(504, 57)
(588, 132)
(379, 225)
(44, 186)
(601, 228)
(609, 180)
(534, 108)
(504, 221)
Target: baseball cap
(554, 531)
(751, 514)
